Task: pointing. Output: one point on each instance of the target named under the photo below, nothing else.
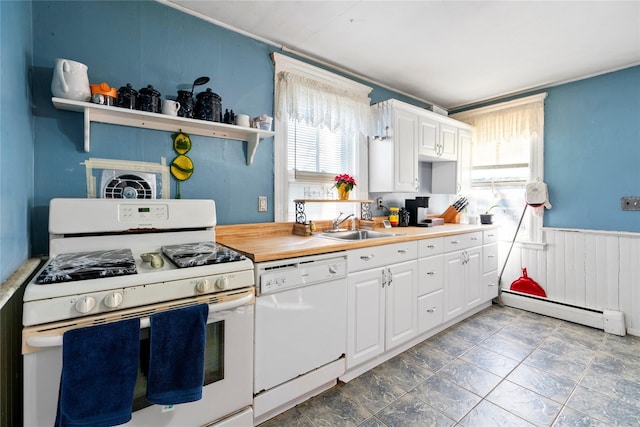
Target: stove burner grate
(197, 254)
(88, 265)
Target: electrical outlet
(262, 203)
(379, 202)
(631, 203)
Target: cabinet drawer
(428, 247)
(490, 258)
(490, 283)
(430, 308)
(462, 241)
(430, 274)
(489, 236)
(378, 256)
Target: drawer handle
(491, 284)
(474, 238)
(403, 251)
(455, 242)
(431, 310)
(366, 257)
(491, 256)
(431, 246)
(489, 235)
(431, 273)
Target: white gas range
(115, 259)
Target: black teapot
(185, 98)
(149, 99)
(208, 106)
(127, 97)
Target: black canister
(149, 100)
(127, 97)
(185, 98)
(208, 106)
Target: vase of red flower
(344, 183)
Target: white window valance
(315, 97)
(507, 122)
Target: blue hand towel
(99, 369)
(176, 355)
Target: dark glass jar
(208, 106)
(127, 97)
(185, 98)
(149, 100)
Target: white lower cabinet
(462, 274)
(401, 292)
(382, 301)
(430, 284)
(490, 265)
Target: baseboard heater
(608, 320)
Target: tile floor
(501, 367)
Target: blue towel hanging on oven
(176, 355)
(99, 369)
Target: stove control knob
(85, 304)
(203, 286)
(113, 300)
(222, 283)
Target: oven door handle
(43, 341)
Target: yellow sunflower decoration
(181, 166)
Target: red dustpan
(527, 285)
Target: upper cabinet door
(429, 137)
(448, 142)
(406, 152)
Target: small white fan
(116, 184)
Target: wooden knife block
(451, 215)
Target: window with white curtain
(506, 154)
(321, 120)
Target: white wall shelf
(142, 119)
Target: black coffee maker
(417, 210)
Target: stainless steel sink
(356, 234)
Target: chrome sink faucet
(338, 221)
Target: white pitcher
(70, 80)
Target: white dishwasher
(300, 329)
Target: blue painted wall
(148, 43)
(592, 136)
(16, 135)
(592, 151)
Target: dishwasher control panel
(290, 273)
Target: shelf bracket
(87, 130)
(252, 146)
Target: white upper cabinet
(408, 135)
(393, 156)
(437, 141)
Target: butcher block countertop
(275, 241)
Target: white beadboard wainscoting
(589, 276)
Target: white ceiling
(450, 53)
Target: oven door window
(213, 362)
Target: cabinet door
(464, 160)
(365, 316)
(453, 285)
(405, 151)
(474, 289)
(448, 142)
(428, 137)
(401, 303)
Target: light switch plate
(630, 203)
(262, 203)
